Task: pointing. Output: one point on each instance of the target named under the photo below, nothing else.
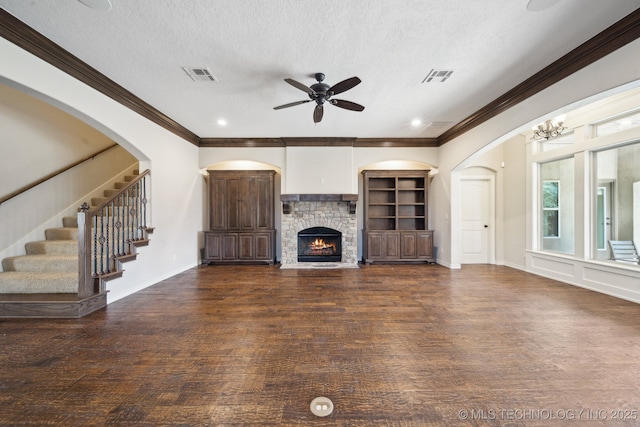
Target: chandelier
(549, 129)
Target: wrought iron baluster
(134, 212)
(101, 240)
(118, 224)
(94, 237)
(128, 221)
(109, 237)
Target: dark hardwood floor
(404, 345)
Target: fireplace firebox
(319, 244)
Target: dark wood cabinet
(241, 217)
(396, 216)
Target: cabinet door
(392, 245)
(263, 246)
(246, 246)
(408, 245)
(247, 199)
(212, 246)
(375, 245)
(233, 203)
(264, 203)
(229, 246)
(218, 204)
(424, 244)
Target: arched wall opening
(56, 160)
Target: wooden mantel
(286, 200)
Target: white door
(476, 220)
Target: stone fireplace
(329, 211)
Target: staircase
(46, 281)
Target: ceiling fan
(321, 92)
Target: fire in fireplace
(319, 244)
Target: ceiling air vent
(200, 74)
(437, 75)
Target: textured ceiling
(250, 46)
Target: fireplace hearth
(319, 244)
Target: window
(557, 214)
(617, 196)
(550, 209)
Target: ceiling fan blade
(344, 85)
(291, 104)
(347, 104)
(317, 113)
(300, 86)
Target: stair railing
(109, 233)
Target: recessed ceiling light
(222, 122)
(97, 4)
(416, 122)
(538, 5)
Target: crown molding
(318, 142)
(619, 34)
(25, 37)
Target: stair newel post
(85, 277)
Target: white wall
(45, 138)
(176, 193)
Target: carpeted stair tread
(62, 233)
(70, 222)
(16, 282)
(52, 247)
(41, 263)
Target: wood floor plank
(392, 345)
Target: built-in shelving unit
(396, 216)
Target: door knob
(486, 226)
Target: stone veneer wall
(329, 214)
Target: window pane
(618, 124)
(550, 224)
(557, 214)
(550, 194)
(559, 142)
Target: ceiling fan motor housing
(320, 90)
